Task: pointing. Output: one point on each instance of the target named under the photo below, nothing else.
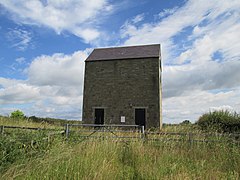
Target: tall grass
(181, 128)
(6, 121)
(133, 160)
(36, 122)
(111, 159)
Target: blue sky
(43, 45)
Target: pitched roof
(127, 52)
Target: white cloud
(18, 93)
(19, 38)
(192, 105)
(192, 14)
(223, 107)
(77, 17)
(88, 34)
(138, 18)
(194, 79)
(9, 82)
(58, 69)
(54, 87)
(167, 12)
(20, 60)
(179, 80)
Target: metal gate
(100, 131)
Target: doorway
(140, 117)
(99, 116)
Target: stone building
(122, 85)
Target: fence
(50, 131)
(81, 132)
(193, 137)
(105, 131)
(86, 131)
(17, 127)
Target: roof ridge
(128, 46)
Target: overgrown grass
(6, 121)
(20, 145)
(35, 122)
(28, 155)
(181, 128)
(17, 145)
(134, 160)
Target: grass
(36, 122)
(111, 159)
(136, 160)
(6, 121)
(186, 128)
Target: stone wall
(120, 86)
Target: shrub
(186, 122)
(221, 121)
(17, 114)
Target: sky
(43, 45)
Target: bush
(220, 121)
(17, 114)
(186, 122)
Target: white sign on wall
(122, 119)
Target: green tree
(185, 122)
(17, 114)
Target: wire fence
(81, 132)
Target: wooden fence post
(1, 130)
(143, 132)
(67, 131)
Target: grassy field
(30, 155)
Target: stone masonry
(120, 84)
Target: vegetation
(221, 121)
(17, 114)
(134, 160)
(27, 154)
(20, 145)
(52, 121)
(185, 122)
(8, 121)
(193, 128)
(34, 121)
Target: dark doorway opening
(140, 117)
(99, 116)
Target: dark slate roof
(128, 52)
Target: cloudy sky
(43, 45)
